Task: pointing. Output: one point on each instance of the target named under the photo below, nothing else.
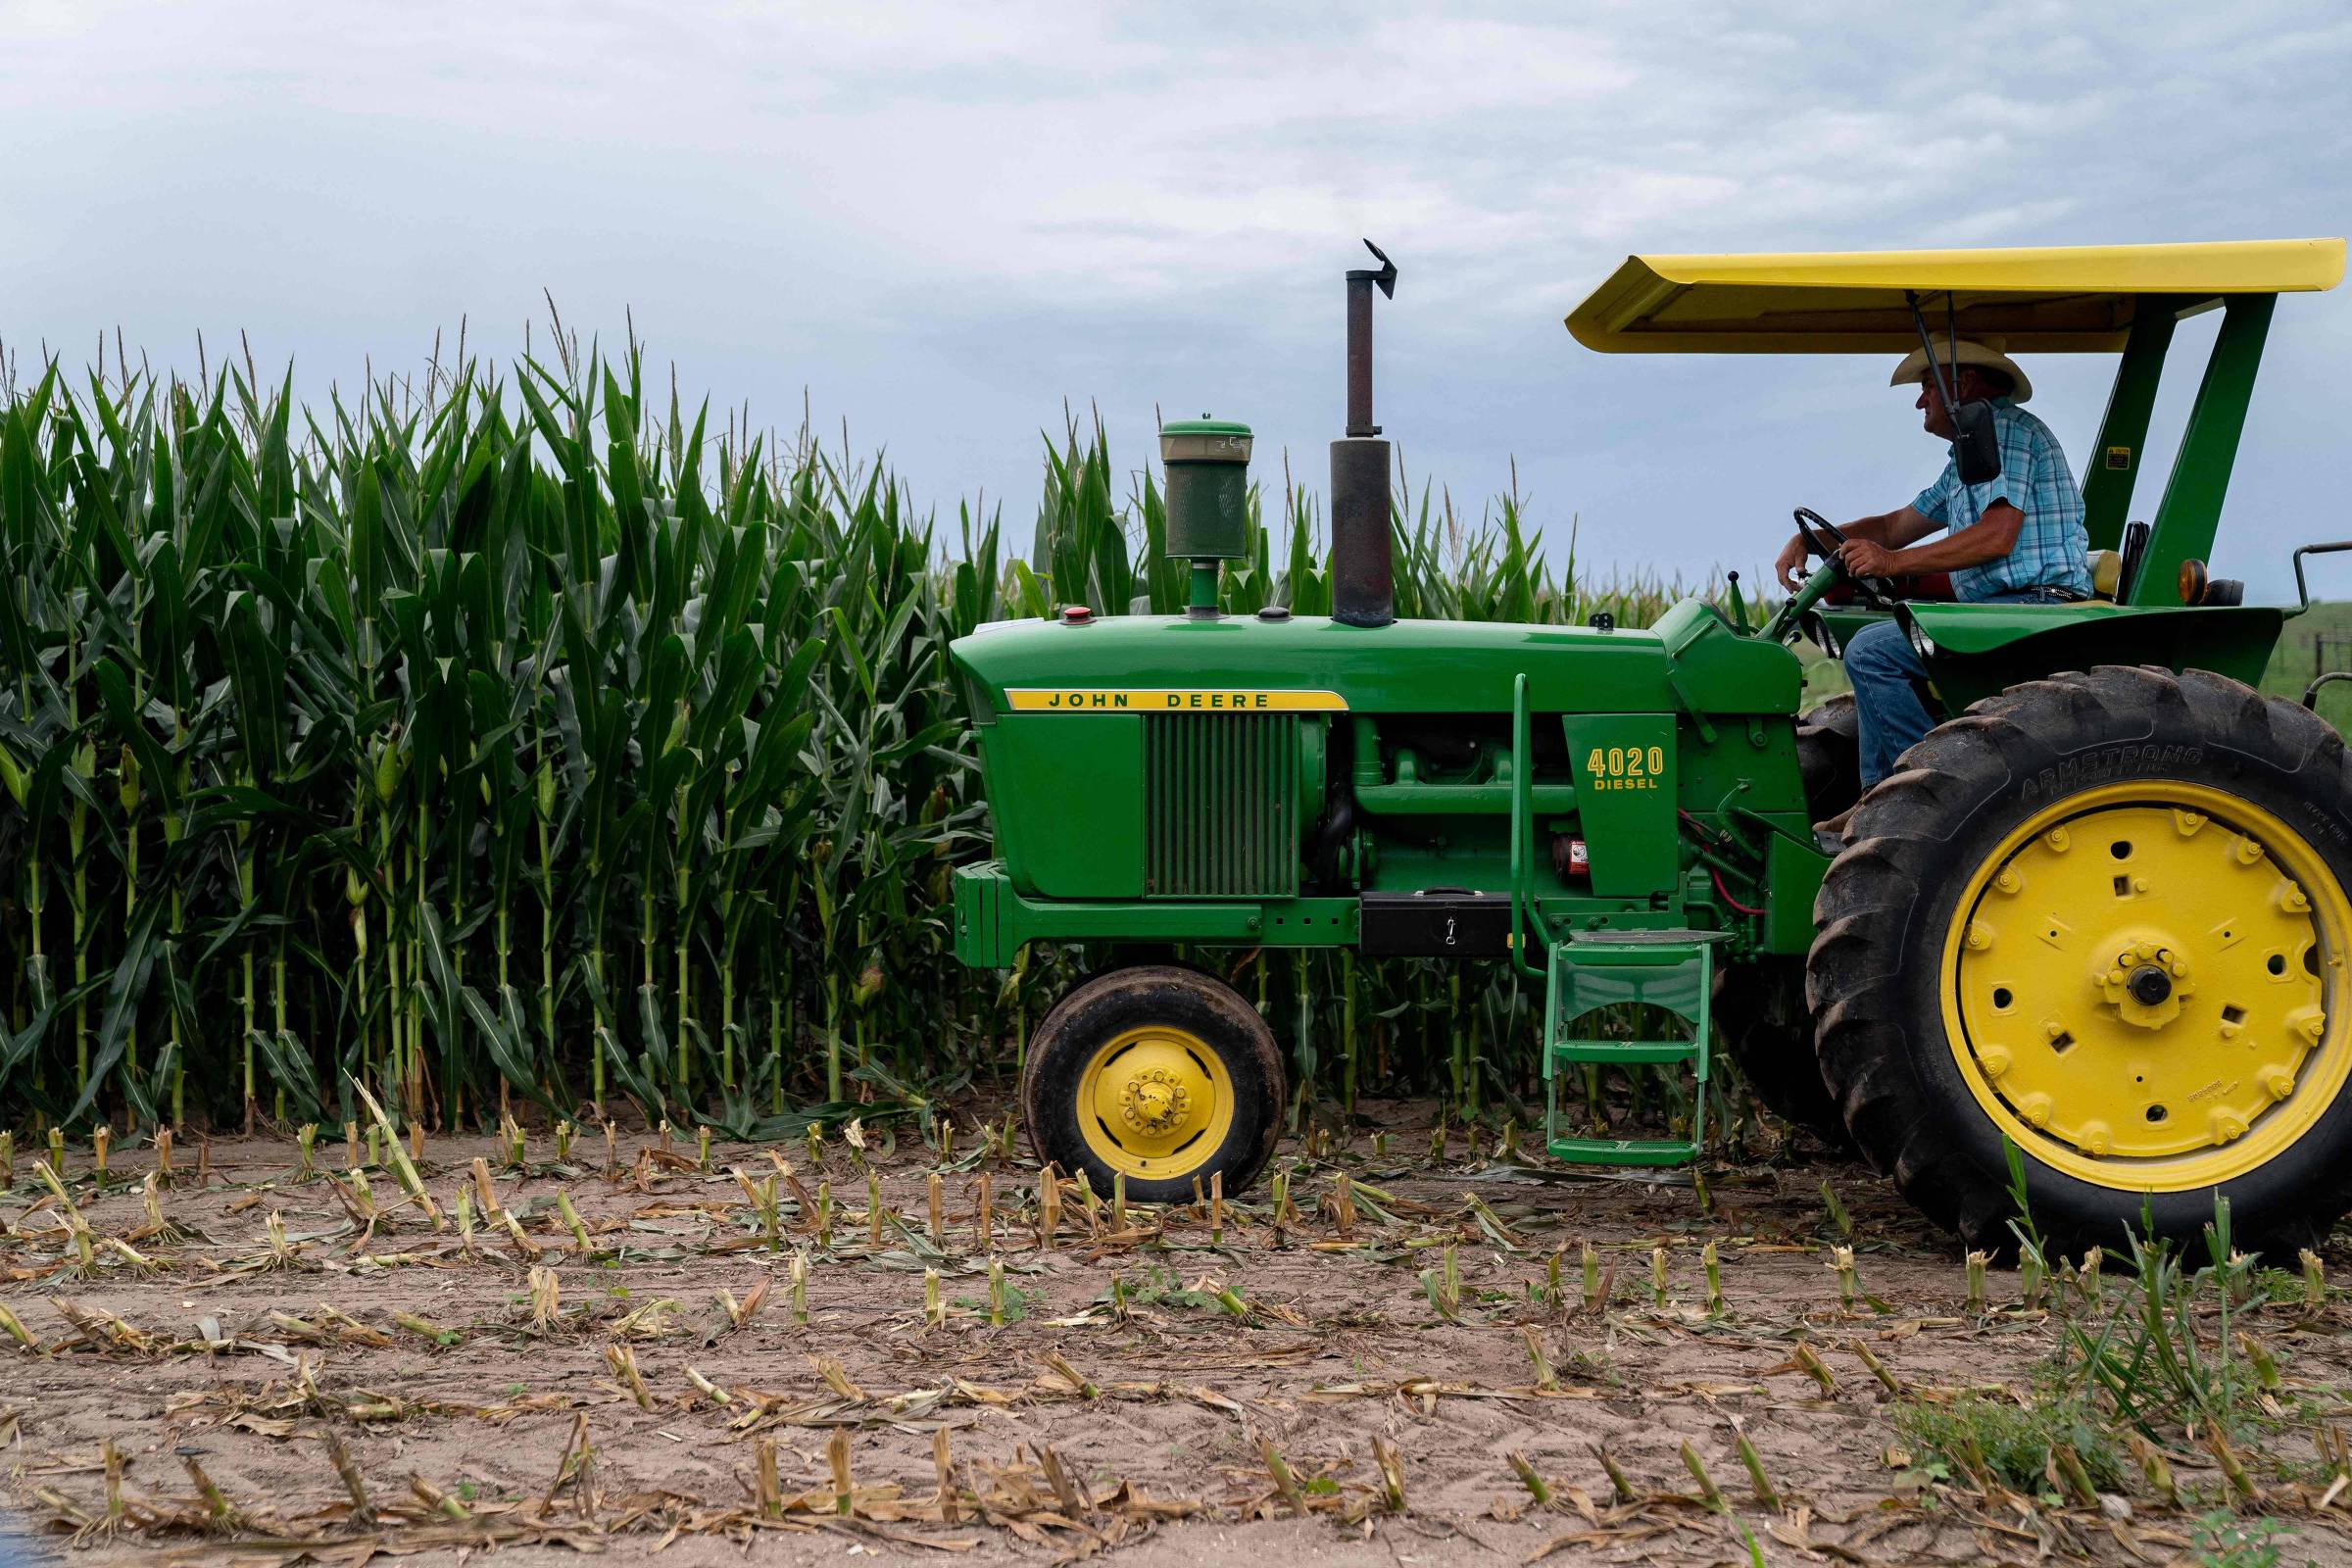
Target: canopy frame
(2125, 299)
(2048, 300)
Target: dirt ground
(303, 1365)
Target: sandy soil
(262, 1359)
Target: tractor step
(1626, 1053)
(1670, 971)
(1625, 1150)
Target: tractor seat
(1936, 587)
(2106, 580)
(2106, 573)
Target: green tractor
(2100, 913)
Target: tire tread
(1861, 979)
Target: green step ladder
(1673, 970)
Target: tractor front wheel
(2101, 917)
(1158, 1073)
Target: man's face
(1971, 384)
(1937, 418)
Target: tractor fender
(1975, 650)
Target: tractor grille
(1221, 806)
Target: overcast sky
(939, 223)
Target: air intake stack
(1363, 576)
(1208, 463)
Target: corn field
(516, 736)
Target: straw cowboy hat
(1979, 351)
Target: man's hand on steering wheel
(1866, 558)
(1863, 563)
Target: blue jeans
(1890, 715)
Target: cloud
(944, 221)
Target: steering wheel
(1876, 592)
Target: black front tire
(1201, 1011)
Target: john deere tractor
(2099, 913)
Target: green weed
(1020, 1302)
(2225, 1541)
(1973, 1437)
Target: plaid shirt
(2051, 549)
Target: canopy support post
(2191, 511)
(2112, 465)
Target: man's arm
(1887, 531)
(1993, 536)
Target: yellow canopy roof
(2049, 298)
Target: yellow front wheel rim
(2141, 986)
(1154, 1102)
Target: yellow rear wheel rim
(2142, 986)
(1154, 1102)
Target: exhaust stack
(1363, 578)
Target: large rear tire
(1158, 1073)
(1760, 1008)
(1760, 1005)
(1829, 756)
(2101, 916)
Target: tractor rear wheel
(2101, 917)
(1829, 756)
(1760, 1006)
(1158, 1073)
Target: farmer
(2017, 538)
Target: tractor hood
(1160, 663)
